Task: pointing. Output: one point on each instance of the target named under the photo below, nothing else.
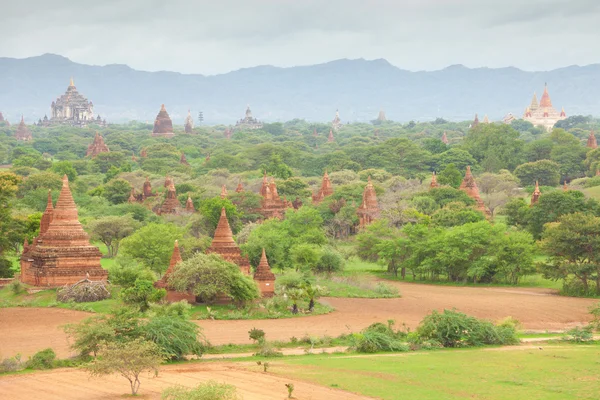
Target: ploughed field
(27, 330)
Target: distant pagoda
(23, 133)
(147, 190)
(189, 123)
(445, 138)
(171, 204)
(189, 205)
(381, 117)
(475, 121)
(72, 109)
(434, 183)
(336, 124)
(183, 160)
(543, 114)
(163, 283)
(535, 196)
(247, 123)
(224, 245)
(264, 277)
(469, 186)
(368, 210)
(591, 142)
(224, 192)
(61, 254)
(163, 126)
(272, 206)
(325, 190)
(330, 138)
(97, 146)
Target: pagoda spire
(223, 192)
(264, 276)
(189, 205)
(445, 138)
(535, 196)
(591, 142)
(71, 83)
(240, 187)
(475, 121)
(434, 183)
(47, 215)
(330, 138)
(469, 186)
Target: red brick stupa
(535, 196)
(325, 190)
(223, 192)
(61, 254)
(189, 205)
(23, 133)
(163, 283)
(445, 138)
(171, 204)
(189, 123)
(264, 277)
(330, 138)
(183, 160)
(434, 183)
(224, 245)
(475, 122)
(272, 206)
(97, 146)
(591, 142)
(147, 190)
(469, 186)
(239, 188)
(368, 210)
(163, 126)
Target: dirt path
(74, 384)
(25, 330)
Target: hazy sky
(209, 37)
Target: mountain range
(358, 88)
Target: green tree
(129, 360)
(277, 168)
(494, 146)
(211, 211)
(110, 230)
(65, 168)
(89, 334)
(545, 172)
(117, 191)
(208, 276)
(8, 187)
(152, 245)
(304, 256)
(141, 294)
(450, 176)
(458, 157)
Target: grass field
(564, 371)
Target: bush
(17, 287)
(180, 309)
(6, 270)
(175, 336)
(258, 335)
(11, 364)
(267, 349)
(210, 390)
(125, 272)
(141, 294)
(454, 329)
(330, 261)
(42, 359)
(379, 337)
(578, 334)
(595, 311)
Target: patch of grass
(554, 373)
(357, 286)
(253, 311)
(47, 298)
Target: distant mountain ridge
(358, 88)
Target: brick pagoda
(163, 126)
(434, 183)
(147, 190)
(224, 245)
(163, 283)
(264, 277)
(62, 253)
(445, 138)
(368, 210)
(171, 204)
(325, 190)
(23, 133)
(239, 188)
(223, 192)
(97, 146)
(469, 186)
(535, 196)
(189, 123)
(189, 205)
(271, 205)
(330, 138)
(591, 142)
(183, 160)
(475, 121)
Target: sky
(213, 37)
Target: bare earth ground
(72, 384)
(26, 330)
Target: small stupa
(189, 123)
(368, 210)
(535, 196)
(591, 142)
(264, 277)
(163, 283)
(171, 204)
(189, 205)
(434, 183)
(97, 146)
(325, 190)
(224, 245)
(381, 117)
(183, 160)
(330, 138)
(163, 126)
(475, 122)
(445, 138)
(132, 199)
(239, 188)
(469, 186)
(23, 133)
(272, 206)
(223, 192)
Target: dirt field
(26, 330)
(72, 384)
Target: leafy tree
(89, 334)
(370, 237)
(538, 150)
(40, 180)
(177, 337)
(450, 176)
(208, 276)
(293, 187)
(277, 168)
(129, 360)
(211, 211)
(8, 187)
(152, 245)
(330, 261)
(454, 214)
(117, 191)
(494, 146)
(458, 157)
(304, 256)
(446, 195)
(141, 294)
(545, 172)
(110, 230)
(65, 168)
(496, 189)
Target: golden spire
(72, 83)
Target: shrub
(378, 337)
(258, 335)
(330, 261)
(11, 364)
(454, 329)
(210, 390)
(42, 359)
(181, 309)
(578, 334)
(141, 294)
(17, 287)
(176, 337)
(89, 334)
(595, 311)
(267, 349)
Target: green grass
(592, 192)
(357, 286)
(254, 311)
(47, 298)
(558, 372)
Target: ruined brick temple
(368, 210)
(224, 245)
(469, 186)
(163, 126)
(97, 146)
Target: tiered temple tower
(469, 186)
(445, 138)
(72, 109)
(183, 160)
(264, 277)
(381, 117)
(189, 205)
(434, 183)
(223, 192)
(189, 123)
(147, 190)
(97, 146)
(247, 123)
(543, 114)
(535, 196)
(330, 138)
(272, 206)
(171, 204)
(163, 126)
(475, 122)
(368, 210)
(61, 254)
(172, 295)
(336, 124)
(325, 190)
(23, 133)
(591, 142)
(224, 245)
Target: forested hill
(358, 88)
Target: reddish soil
(26, 330)
(251, 383)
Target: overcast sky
(216, 36)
